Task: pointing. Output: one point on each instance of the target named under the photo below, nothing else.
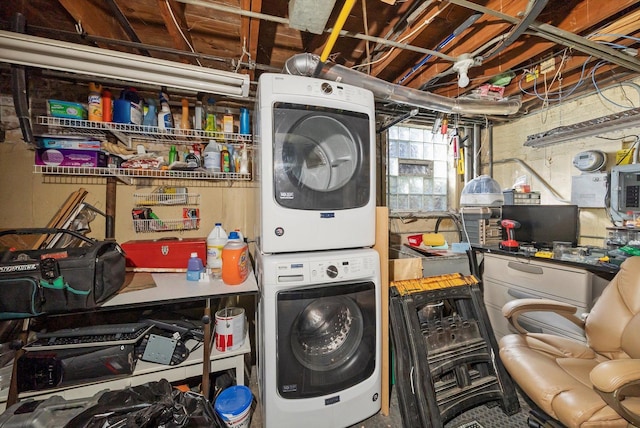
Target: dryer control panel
(326, 270)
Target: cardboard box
(157, 255)
(67, 143)
(67, 110)
(71, 157)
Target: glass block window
(417, 179)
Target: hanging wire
(175, 22)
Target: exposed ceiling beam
(125, 24)
(567, 38)
(176, 24)
(96, 20)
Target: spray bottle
(151, 117)
(165, 118)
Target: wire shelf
(153, 199)
(140, 132)
(140, 173)
(157, 225)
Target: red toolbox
(170, 254)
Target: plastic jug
(194, 268)
(216, 241)
(128, 108)
(235, 262)
(211, 157)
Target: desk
(170, 288)
(508, 276)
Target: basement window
(417, 173)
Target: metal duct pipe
(309, 65)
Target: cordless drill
(510, 244)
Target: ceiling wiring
(186, 40)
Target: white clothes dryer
(319, 338)
(316, 164)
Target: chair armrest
(616, 379)
(513, 309)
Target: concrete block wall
(554, 163)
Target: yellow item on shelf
(433, 239)
(544, 254)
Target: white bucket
(230, 329)
(234, 406)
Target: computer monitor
(540, 225)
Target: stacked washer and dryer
(319, 309)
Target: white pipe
(309, 65)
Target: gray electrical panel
(589, 190)
(625, 191)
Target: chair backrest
(613, 325)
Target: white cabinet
(507, 278)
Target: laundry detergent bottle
(235, 262)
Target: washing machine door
(326, 339)
(321, 157)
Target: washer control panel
(326, 270)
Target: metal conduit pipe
(309, 65)
(476, 150)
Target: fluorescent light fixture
(588, 128)
(22, 49)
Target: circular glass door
(320, 153)
(327, 333)
(321, 158)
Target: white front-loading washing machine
(316, 167)
(319, 338)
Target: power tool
(510, 244)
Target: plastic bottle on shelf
(211, 156)
(173, 154)
(235, 262)
(227, 122)
(151, 117)
(165, 119)
(232, 158)
(95, 102)
(244, 161)
(225, 160)
(216, 241)
(185, 123)
(199, 116)
(210, 116)
(194, 268)
(245, 128)
(107, 106)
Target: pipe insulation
(307, 64)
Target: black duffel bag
(58, 280)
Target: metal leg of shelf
(110, 227)
(206, 358)
(12, 398)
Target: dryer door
(326, 339)
(321, 157)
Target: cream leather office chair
(596, 384)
